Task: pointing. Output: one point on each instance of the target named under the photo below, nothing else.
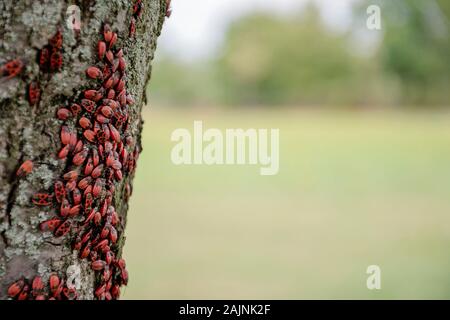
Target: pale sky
(196, 28)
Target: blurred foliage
(298, 60)
(416, 48)
(268, 60)
(176, 83)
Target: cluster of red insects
(50, 60)
(23, 290)
(95, 141)
(11, 69)
(137, 12)
(50, 57)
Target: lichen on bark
(32, 132)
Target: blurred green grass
(354, 189)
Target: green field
(354, 189)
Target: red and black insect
(71, 185)
(98, 265)
(113, 40)
(71, 175)
(80, 157)
(55, 285)
(56, 41)
(12, 68)
(75, 210)
(60, 191)
(101, 49)
(84, 183)
(25, 168)
(78, 147)
(103, 120)
(107, 33)
(34, 93)
(44, 58)
(98, 186)
(63, 229)
(66, 135)
(88, 105)
(110, 57)
(85, 123)
(62, 154)
(97, 172)
(42, 199)
(75, 109)
(76, 196)
(23, 295)
(56, 61)
(63, 113)
(137, 8)
(94, 72)
(37, 286)
(132, 31)
(88, 201)
(89, 135)
(94, 95)
(86, 251)
(15, 288)
(50, 225)
(89, 166)
(64, 209)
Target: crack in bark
(54, 243)
(11, 194)
(9, 205)
(4, 238)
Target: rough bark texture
(32, 132)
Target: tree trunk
(36, 129)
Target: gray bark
(32, 132)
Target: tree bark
(31, 131)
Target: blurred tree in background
(271, 60)
(415, 48)
(181, 84)
(298, 60)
